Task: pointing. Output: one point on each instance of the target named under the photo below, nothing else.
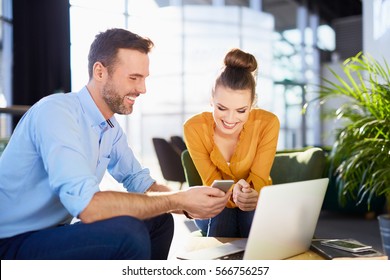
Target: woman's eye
(241, 111)
(221, 109)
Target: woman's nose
(231, 116)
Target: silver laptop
(283, 225)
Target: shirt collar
(92, 111)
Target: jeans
(231, 222)
(119, 238)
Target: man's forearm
(158, 188)
(110, 204)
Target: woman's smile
(228, 125)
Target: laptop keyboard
(235, 256)
(215, 253)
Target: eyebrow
(245, 107)
(137, 75)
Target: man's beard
(115, 101)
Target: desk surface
(197, 243)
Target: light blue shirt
(55, 160)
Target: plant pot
(384, 227)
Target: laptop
(283, 224)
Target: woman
(234, 141)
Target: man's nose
(141, 87)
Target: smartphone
(368, 253)
(349, 245)
(223, 185)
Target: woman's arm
(199, 144)
(265, 154)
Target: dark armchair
(178, 144)
(169, 161)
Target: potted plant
(360, 156)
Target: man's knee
(167, 222)
(132, 236)
(161, 233)
(161, 225)
(126, 224)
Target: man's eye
(133, 78)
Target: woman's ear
(254, 103)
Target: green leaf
(360, 157)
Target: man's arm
(158, 188)
(199, 202)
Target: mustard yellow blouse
(252, 159)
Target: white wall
(376, 29)
(376, 42)
(190, 44)
(331, 125)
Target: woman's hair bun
(237, 58)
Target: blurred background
(44, 46)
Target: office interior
(44, 47)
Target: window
(190, 43)
(6, 64)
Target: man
(58, 153)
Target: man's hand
(244, 196)
(204, 202)
(199, 202)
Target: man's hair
(106, 45)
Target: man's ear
(98, 71)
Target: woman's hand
(244, 196)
